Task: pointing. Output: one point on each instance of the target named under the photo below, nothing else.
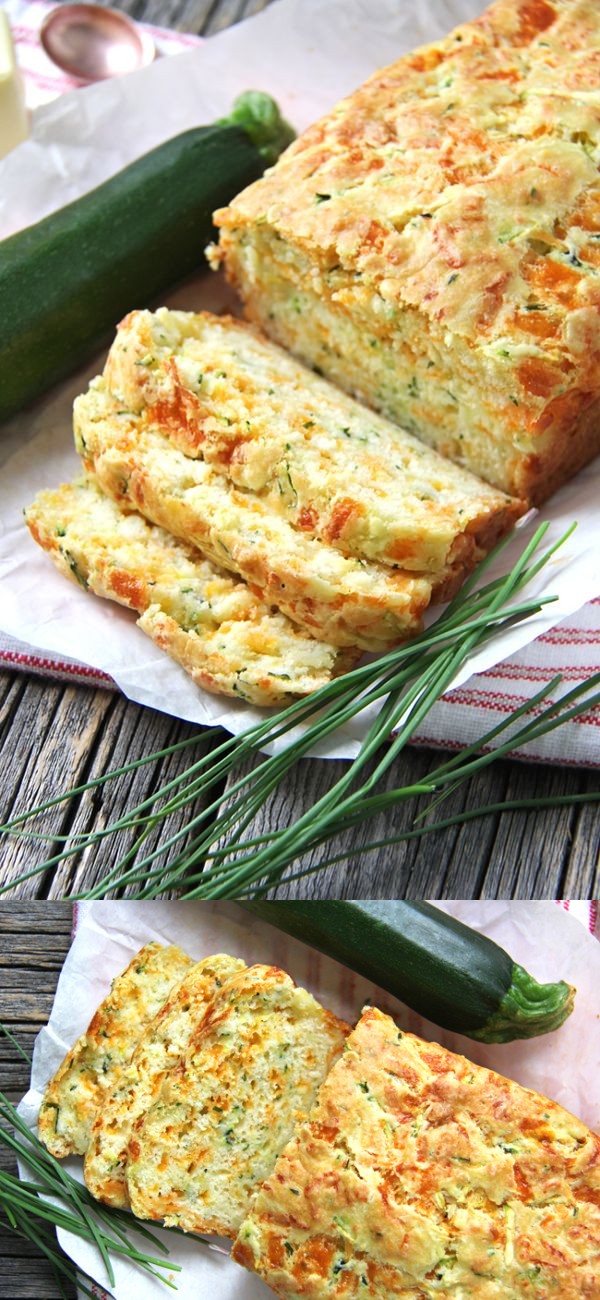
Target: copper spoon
(91, 42)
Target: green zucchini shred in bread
(228, 639)
(137, 1085)
(84, 1079)
(421, 1175)
(250, 1073)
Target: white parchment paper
(308, 54)
(564, 1065)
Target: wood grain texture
(53, 736)
(56, 737)
(34, 941)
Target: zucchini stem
(527, 1009)
(258, 115)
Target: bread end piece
(454, 289)
(420, 1174)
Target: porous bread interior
(419, 1174)
(451, 207)
(210, 622)
(384, 360)
(222, 392)
(335, 598)
(75, 1092)
(251, 1072)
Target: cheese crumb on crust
(251, 1072)
(224, 635)
(84, 1079)
(421, 1175)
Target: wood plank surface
(54, 736)
(34, 941)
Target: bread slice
(224, 393)
(421, 1175)
(338, 599)
(136, 1086)
(84, 1080)
(432, 244)
(227, 639)
(252, 1070)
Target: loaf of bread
(85, 1078)
(251, 1072)
(432, 245)
(136, 1086)
(227, 639)
(421, 1175)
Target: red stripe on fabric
(486, 699)
(35, 661)
(541, 672)
(51, 83)
(24, 35)
(594, 917)
(571, 636)
(498, 702)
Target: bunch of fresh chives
(209, 856)
(26, 1209)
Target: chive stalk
(211, 856)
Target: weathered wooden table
(56, 735)
(34, 942)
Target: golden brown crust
(460, 185)
(421, 1175)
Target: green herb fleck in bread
(229, 640)
(421, 1175)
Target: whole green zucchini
(68, 280)
(441, 968)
